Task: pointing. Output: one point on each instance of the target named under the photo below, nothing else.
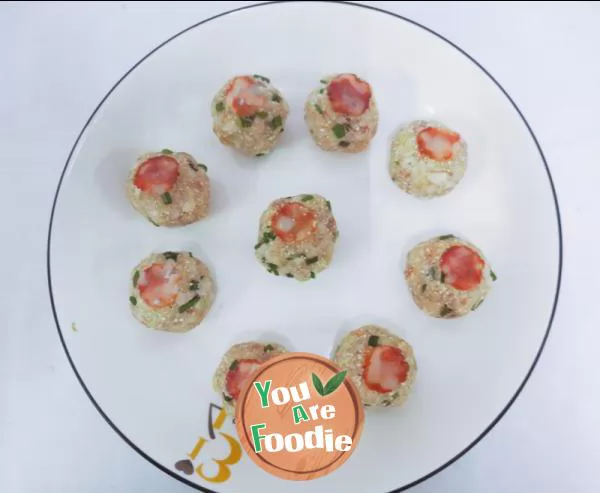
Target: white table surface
(57, 61)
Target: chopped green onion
(373, 341)
(194, 285)
(446, 237)
(446, 310)
(339, 130)
(442, 277)
(268, 347)
(476, 305)
(306, 198)
(234, 364)
(343, 143)
(312, 260)
(166, 198)
(328, 204)
(276, 122)
(276, 98)
(262, 114)
(220, 106)
(189, 304)
(166, 151)
(133, 300)
(493, 275)
(266, 79)
(171, 255)
(312, 275)
(246, 121)
(319, 109)
(136, 276)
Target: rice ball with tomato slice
(428, 159)
(249, 114)
(171, 291)
(342, 114)
(237, 366)
(381, 365)
(296, 237)
(448, 277)
(169, 188)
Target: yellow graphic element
(235, 449)
(233, 458)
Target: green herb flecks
(220, 106)
(246, 121)
(276, 98)
(171, 255)
(446, 310)
(373, 341)
(268, 347)
(166, 198)
(344, 143)
(493, 275)
(306, 198)
(446, 237)
(189, 304)
(312, 260)
(276, 122)
(319, 109)
(266, 238)
(194, 285)
(166, 151)
(339, 130)
(133, 300)
(273, 268)
(262, 77)
(136, 276)
(234, 364)
(477, 305)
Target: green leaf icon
(317, 384)
(334, 383)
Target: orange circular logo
(299, 417)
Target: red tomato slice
(436, 143)
(157, 175)
(293, 222)
(245, 96)
(236, 378)
(158, 285)
(349, 95)
(462, 266)
(385, 369)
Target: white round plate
(155, 388)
